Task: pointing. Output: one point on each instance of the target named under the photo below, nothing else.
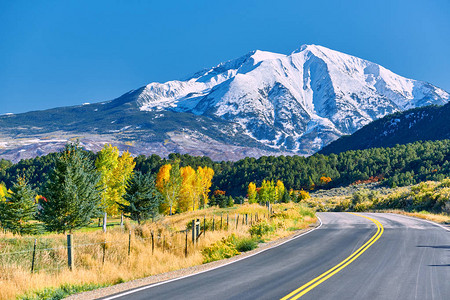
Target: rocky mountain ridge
(261, 103)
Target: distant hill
(428, 123)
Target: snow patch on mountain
(298, 102)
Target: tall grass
(103, 258)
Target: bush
(224, 248)
(228, 247)
(261, 228)
(246, 244)
(360, 207)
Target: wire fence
(55, 255)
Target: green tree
(142, 197)
(72, 192)
(18, 209)
(285, 198)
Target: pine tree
(72, 192)
(143, 199)
(285, 198)
(18, 209)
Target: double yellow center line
(324, 276)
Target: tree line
(79, 188)
(396, 166)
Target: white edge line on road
(229, 263)
(420, 219)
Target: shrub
(246, 244)
(224, 248)
(261, 228)
(360, 207)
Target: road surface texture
(363, 256)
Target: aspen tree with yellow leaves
(251, 193)
(190, 189)
(115, 172)
(3, 192)
(168, 183)
(280, 189)
(205, 176)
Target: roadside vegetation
(428, 200)
(103, 259)
(153, 214)
(132, 217)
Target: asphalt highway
(379, 256)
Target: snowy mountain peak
(298, 102)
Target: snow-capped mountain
(299, 102)
(260, 103)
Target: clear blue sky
(58, 53)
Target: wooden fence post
(129, 243)
(153, 243)
(70, 251)
(228, 228)
(221, 218)
(121, 219)
(104, 252)
(34, 255)
(204, 225)
(213, 225)
(185, 245)
(193, 232)
(237, 221)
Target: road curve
(409, 260)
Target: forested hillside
(428, 123)
(396, 166)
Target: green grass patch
(60, 292)
(228, 247)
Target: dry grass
(168, 254)
(438, 218)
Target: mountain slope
(419, 124)
(297, 102)
(260, 103)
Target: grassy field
(103, 258)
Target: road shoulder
(177, 274)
